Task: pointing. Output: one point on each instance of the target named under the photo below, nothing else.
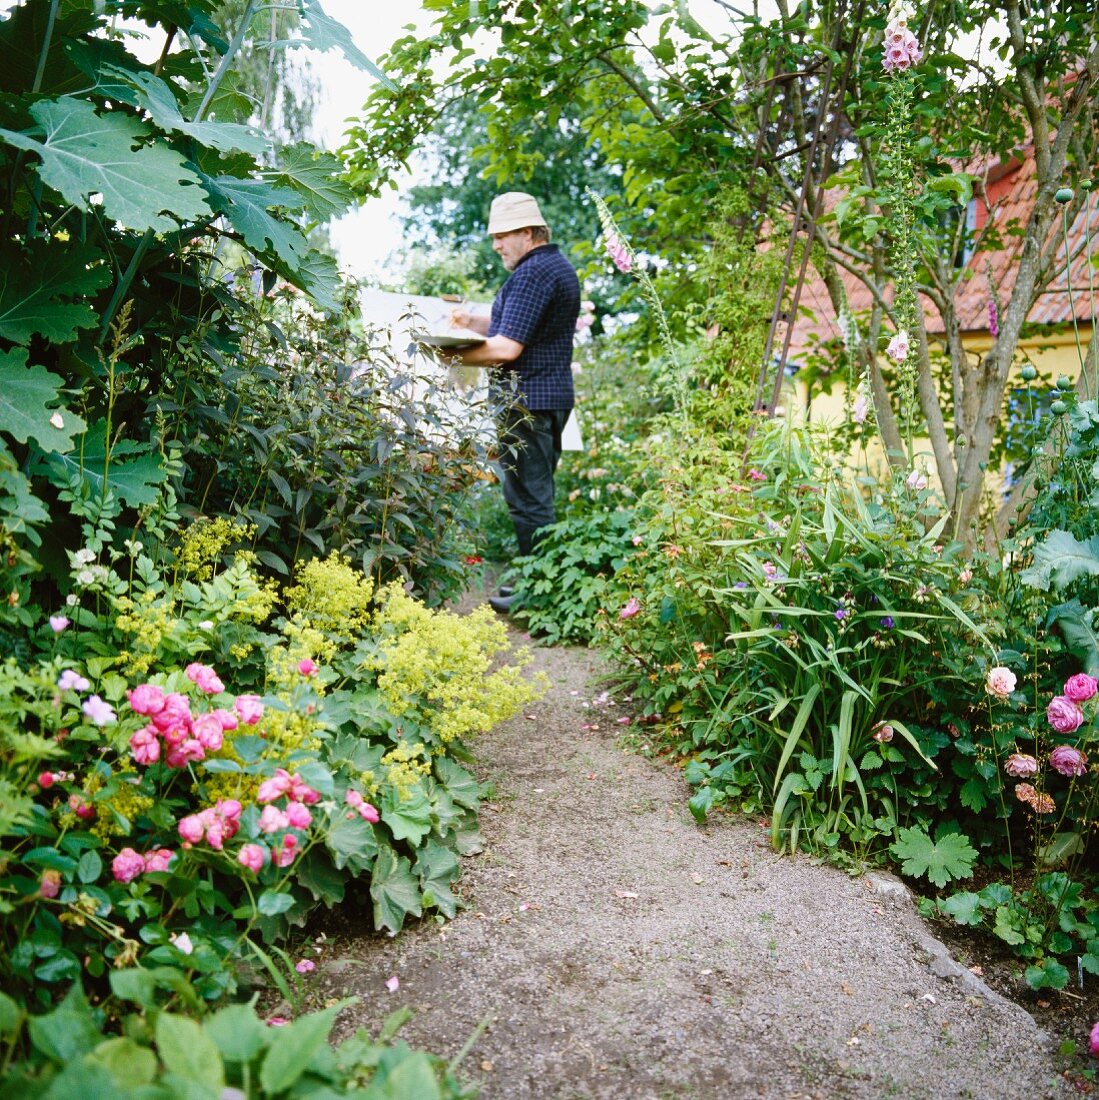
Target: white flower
(916, 480)
(85, 577)
(84, 557)
(206, 624)
(183, 942)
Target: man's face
(512, 247)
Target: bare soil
(612, 948)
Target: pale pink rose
(300, 791)
(252, 856)
(369, 813)
(146, 699)
(158, 859)
(353, 798)
(630, 608)
(272, 819)
(298, 816)
(305, 966)
(1064, 715)
(100, 712)
(49, 885)
(59, 623)
(1081, 687)
(192, 828)
(229, 809)
(250, 709)
(208, 732)
(227, 719)
(182, 942)
(1068, 760)
(175, 714)
(1020, 765)
(145, 746)
(1000, 682)
(898, 348)
(307, 666)
(217, 834)
(204, 678)
(275, 787)
(282, 857)
(127, 865)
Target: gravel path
(617, 950)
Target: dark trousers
(530, 446)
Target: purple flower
(1021, 766)
(98, 711)
(841, 613)
(59, 623)
(1068, 760)
(887, 622)
(1093, 1042)
(1064, 715)
(305, 966)
(1081, 687)
(993, 320)
(630, 608)
(741, 584)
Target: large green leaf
(318, 178)
(155, 96)
(298, 1044)
(949, 856)
(322, 33)
(437, 868)
(408, 818)
(28, 404)
(1059, 559)
(142, 186)
(460, 785)
(189, 1052)
(44, 292)
(237, 1033)
(351, 841)
(395, 891)
(1077, 624)
(131, 474)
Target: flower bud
(1058, 408)
(1028, 372)
(1063, 195)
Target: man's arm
(494, 351)
(475, 322)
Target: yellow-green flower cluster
(331, 596)
(125, 805)
(405, 766)
(436, 666)
(147, 620)
(203, 543)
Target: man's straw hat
(513, 210)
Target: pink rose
(353, 798)
(1081, 687)
(282, 857)
(368, 813)
(158, 859)
(217, 834)
(127, 865)
(226, 718)
(1068, 760)
(146, 699)
(1020, 765)
(275, 787)
(175, 714)
(1064, 715)
(83, 810)
(307, 666)
(229, 810)
(204, 678)
(59, 623)
(208, 731)
(100, 712)
(1093, 1041)
(192, 828)
(249, 708)
(1000, 682)
(145, 745)
(272, 819)
(298, 815)
(49, 886)
(631, 607)
(300, 791)
(252, 856)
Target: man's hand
(461, 318)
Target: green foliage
(950, 856)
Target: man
(530, 334)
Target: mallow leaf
(951, 856)
(322, 33)
(142, 186)
(132, 474)
(318, 178)
(29, 409)
(45, 291)
(1059, 559)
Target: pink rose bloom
(158, 859)
(275, 787)
(631, 607)
(175, 714)
(208, 731)
(189, 751)
(1000, 682)
(252, 856)
(300, 791)
(1081, 687)
(249, 708)
(307, 666)
(1020, 765)
(71, 680)
(127, 865)
(145, 746)
(46, 780)
(146, 699)
(298, 816)
(305, 966)
(368, 813)
(272, 819)
(1093, 1042)
(1068, 760)
(217, 834)
(101, 713)
(49, 886)
(1064, 715)
(282, 857)
(229, 810)
(353, 798)
(192, 828)
(59, 623)
(226, 718)
(83, 810)
(204, 678)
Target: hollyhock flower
(630, 608)
(59, 623)
(860, 408)
(183, 942)
(307, 666)
(1064, 715)
(299, 816)
(1081, 687)
(70, 680)
(249, 708)
(49, 885)
(208, 731)
(252, 856)
(1020, 765)
(1000, 682)
(916, 481)
(204, 678)
(275, 787)
(305, 966)
(158, 859)
(272, 819)
(1068, 760)
(1093, 1041)
(883, 732)
(146, 699)
(619, 254)
(898, 348)
(175, 714)
(127, 865)
(145, 746)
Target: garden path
(617, 949)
